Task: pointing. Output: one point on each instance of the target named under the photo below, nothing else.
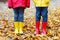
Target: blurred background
(7, 27)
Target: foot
(16, 31)
(44, 32)
(37, 32)
(20, 32)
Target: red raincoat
(18, 3)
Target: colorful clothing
(18, 14)
(18, 8)
(41, 3)
(42, 11)
(18, 3)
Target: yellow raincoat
(41, 3)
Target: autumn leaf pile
(7, 27)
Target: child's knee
(45, 18)
(21, 18)
(15, 17)
(38, 18)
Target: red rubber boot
(37, 30)
(44, 25)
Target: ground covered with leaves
(7, 27)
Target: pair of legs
(41, 11)
(18, 19)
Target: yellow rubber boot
(16, 27)
(21, 27)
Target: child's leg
(38, 16)
(21, 19)
(16, 20)
(45, 18)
